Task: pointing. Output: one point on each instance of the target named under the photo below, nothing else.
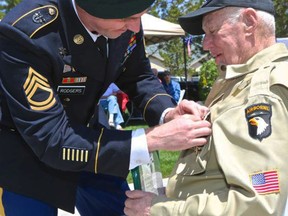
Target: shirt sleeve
(163, 115)
(139, 150)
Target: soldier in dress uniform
(243, 169)
(57, 58)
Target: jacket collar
(261, 59)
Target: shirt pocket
(191, 162)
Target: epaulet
(279, 74)
(36, 19)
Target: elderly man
(243, 169)
(57, 59)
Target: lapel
(117, 50)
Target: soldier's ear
(250, 20)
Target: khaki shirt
(243, 169)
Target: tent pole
(185, 67)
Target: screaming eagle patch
(259, 120)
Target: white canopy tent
(157, 30)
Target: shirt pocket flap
(192, 163)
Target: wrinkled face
(111, 28)
(224, 40)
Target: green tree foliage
(6, 5)
(208, 74)
(173, 51)
(281, 17)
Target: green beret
(114, 9)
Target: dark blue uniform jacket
(52, 76)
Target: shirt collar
(265, 56)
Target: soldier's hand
(186, 107)
(138, 203)
(181, 133)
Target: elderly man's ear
(250, 20)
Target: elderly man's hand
(138, 203)
(186, 107)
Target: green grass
(167, 161)
(167, 158)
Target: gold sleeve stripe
(86, 156)
(97, 151)
(81, 155)
(68, 154)
(77, 155)
(71, 154)
(64, 154)
(49, 7)
(34, 82)
(144, 112)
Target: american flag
(266, 182)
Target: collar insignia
(78, 39)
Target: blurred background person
(172, 87)
(109, 102)
(155, 71)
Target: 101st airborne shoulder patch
(38, 91)
(258, 117)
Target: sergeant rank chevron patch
(38, 91)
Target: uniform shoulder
(35, 19)
(279, 74)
